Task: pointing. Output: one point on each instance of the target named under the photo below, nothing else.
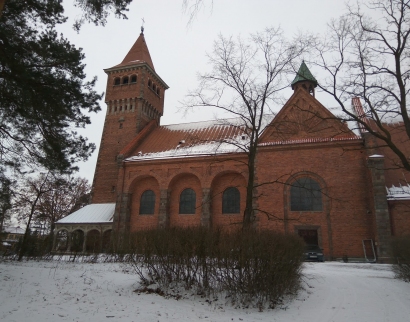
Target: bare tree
(26, 201)
(192, 7)
(46, 199)
(65, 195)
(246, 79)
(366, 54)
(6, 194)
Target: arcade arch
(145, 198)
(228, 185)
(181, 186)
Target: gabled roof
(94, 213)
(138, 54)
(303, 119)
(304, 74)
(190, 139)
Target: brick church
(330, 183)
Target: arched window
(305, 195)
(154, 87)
(125, 80)
(133, 78)
(187, 202)
(158, 91)
(231, 201)
(117, 81)
(147, 203)
(149, 83)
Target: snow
(66, 291)
(204, 149)
(13, 230)
(94, 213)
(398, 193)
(192, 126)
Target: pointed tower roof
(303, 75)
(138, 53)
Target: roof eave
(119, 68)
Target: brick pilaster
(381, 210)
(163, 221)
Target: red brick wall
(178, 184)
(113, 140)
(395, 173)
(400, 217)
(219, 184)
(122, 125)
(344, 221)
(347, 216)
(142, 222)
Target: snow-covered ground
(64, 291)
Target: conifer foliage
(44, 96)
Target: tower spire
(138, 53)
(304, 79)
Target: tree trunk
(27, 232)
(2, 3)
(248, 215)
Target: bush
(36, 246)
(249, 268)
(400, 247)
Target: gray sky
(178, 51)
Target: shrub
(400, 247)
(249, 268)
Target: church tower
(134, 96)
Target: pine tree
(43, 92)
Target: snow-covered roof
(398, 193)
(196, 139)
(195, 150)
(94, 213)
(13, 230)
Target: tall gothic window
(147, 203)
(305, 195)
(187, 202)
(231, 201)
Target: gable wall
(341, 172)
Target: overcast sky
(178, 51)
